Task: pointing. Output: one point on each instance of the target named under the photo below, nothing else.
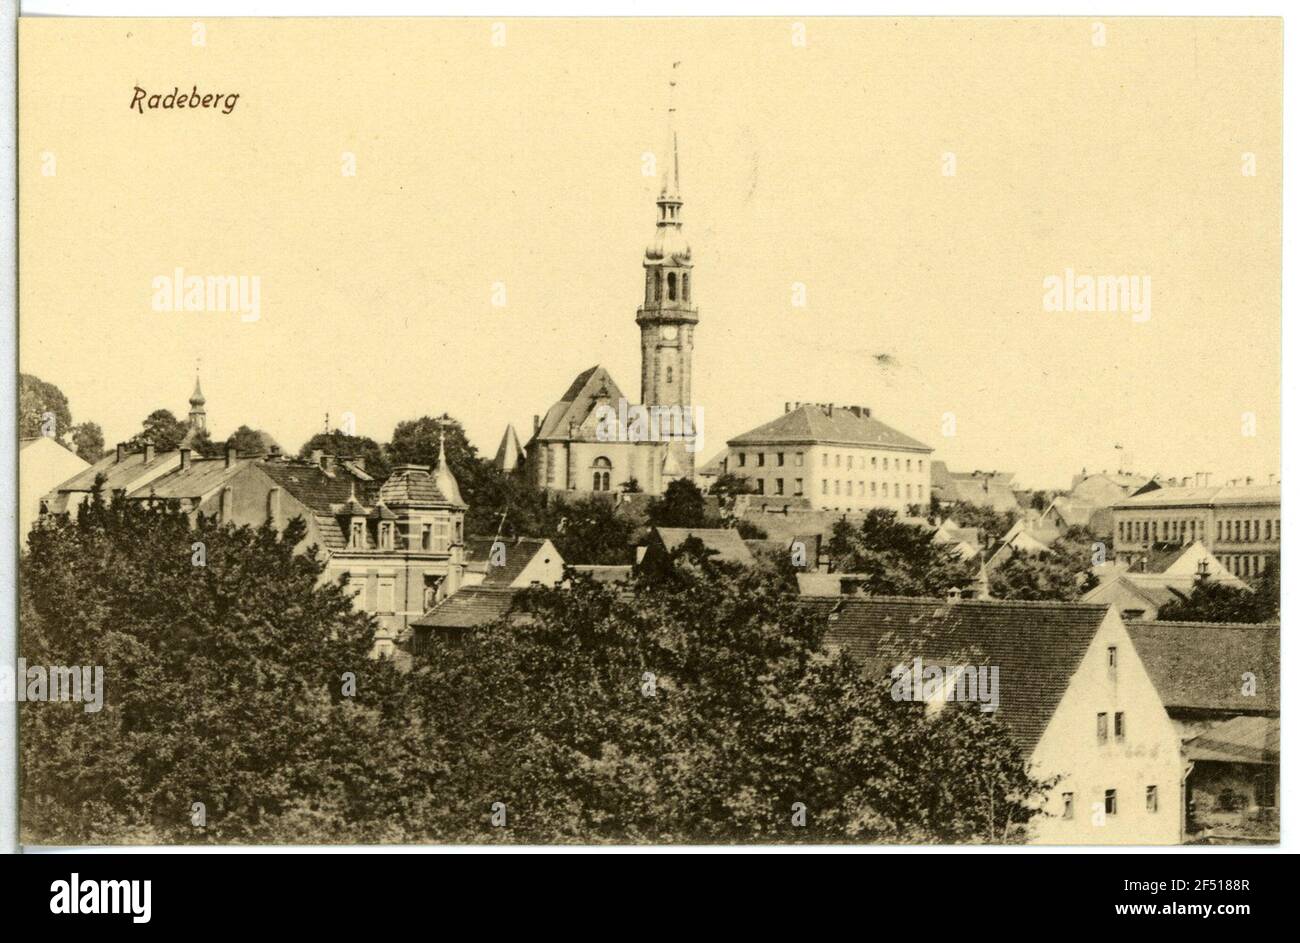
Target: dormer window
(358, 534)
(386, 535)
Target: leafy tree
(631, 486)
(161, 428)
(349, 446)
(702, 707)
(222, 686)
(249, 441)
(591, 530)
(729, 485)
(993, 524)
(1063, 574)
(1212, 601)
(897, 559)
(35, 399)
(88, 441)
(681, 505)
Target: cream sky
(523, 164)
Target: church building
(592, 440)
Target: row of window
(436, 536)
(842, 460)
(882, 491)
(1180, 531)
(1110, 802)
(760, 459)
(1244, 564)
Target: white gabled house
(1073, 691)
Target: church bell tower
(668, 315)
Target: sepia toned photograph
(629, 432)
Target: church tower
(198, 414)
(668, 316)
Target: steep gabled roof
(519, 552)
(1199, 665)
(579, 401)
(729, 546)
(203, 476)
(810, 424)
(509, 453)
(1036, 646)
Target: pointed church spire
(198, 415)
(670, 195)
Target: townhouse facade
(1241, 525)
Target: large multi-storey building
(1240, 524)
(836, 457)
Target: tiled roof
(1199, 665)
(201, 478)
(519, 552)
(1226, 496)
(319, 491)
(578, 402)
(413, 486)
(810, 424)
(469, 608)
(1036, 646)
(728, 544)
(1238, 740)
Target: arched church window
(672, 286)
(659, 285)
(600, 471)
(686, 286)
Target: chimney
(787, 406)
(148, 451)
(954, 595)
(121, 451)
(185, 457)
(316, 455)
(830, 409)
(230, 454)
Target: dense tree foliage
(43, 409)
(1218, 602)
(897, 558)
(700, 707)
(1064, 573)
(224, 663)
(681, 505)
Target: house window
(838, 457)
(896, 489)
(825, 457)
(384, 602)
(426, 536)
(780, 459)
(385, 535)
(873, 461)
(1112, 659)
(740, 459)
(798, 487)
(798, 460)
(920, 465)
(762, 459)
(358, 534)
(825, 486)
(1102, 728)
(759, 484)
(1119, 726)
(1112, 802)
(1153, 799)
(1067, 805)
(780, 486)
(909, 464)
(873, 489)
